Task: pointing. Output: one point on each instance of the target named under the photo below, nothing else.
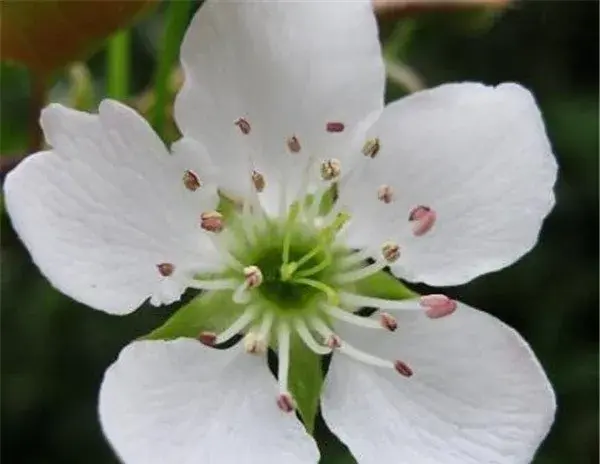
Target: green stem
(398, 43)
(178, 12)
(39, 91)
(118, 64)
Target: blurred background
(54, 351)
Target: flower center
(293, 273)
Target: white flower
(282, 100)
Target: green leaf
(305, 381)
(383, 285)
(212, 311)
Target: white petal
(288, 68)
(479, 157)
(181, 402)
(105, 206)
(478, 394)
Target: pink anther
(438, 305)
(423, 218)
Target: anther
(331, 169)
(371, 148)
(335, 126)
(211, 221)
(438, 305)
(390, 251)
(333, 341)
(258, 180)
(243, 125)
(385, 193)
(285, 402)
(294, 144)
(423, 218)
(165, 269)
(388, 322)
(253, 276)
(207, 338)
(191, 180)
(403, 369)
(254, 344)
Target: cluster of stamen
(263, 325)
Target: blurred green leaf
(49, 34)
(81, 87)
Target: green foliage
(384, 285)
(211, 311)
(305, 381)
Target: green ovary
(305, 279)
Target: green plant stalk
(119, 65)
(176, 22)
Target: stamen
(385, 193)
(287, 239)
(361, 273)
(354, 258)
(249, 223)
(403, 369)
(285, 402)
(212, 221)
(331, 169)
(438, 305)
(333, 341)
(257, 341)
(210, 339)
(191, 180)
(258, 180)
(351, 318)
(308, 339)
(390, 252)
(293, 144)
(355, 353)
(358, 301)
(283, 355)
(265, 327)
(243, 125)
(335, 126)
(165, 269)
(253, 275)
(423, 218)
(241, 294)
(207, 338)
(388, 322)
(371, 147)
(253, 344)
(315, 206)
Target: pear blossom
(282, 112)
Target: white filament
(283, 353)
(304, 332)
(357, 301)
(350, 318)
(238, 325)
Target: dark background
(54, 351)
